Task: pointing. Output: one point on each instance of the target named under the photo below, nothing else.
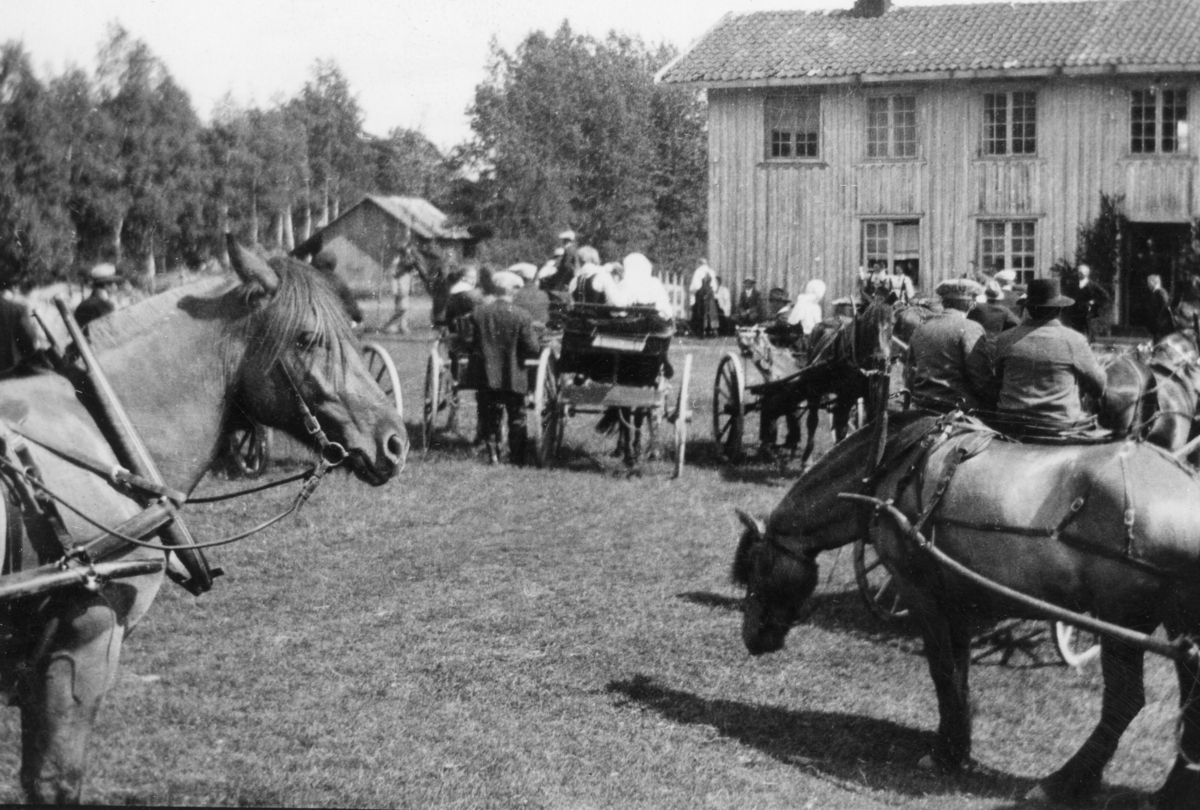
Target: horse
(274, 346)
(1156, 399)
(1107, 529)
(847, 360)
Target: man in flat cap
(948, 366)
(500, 340)
(104, 278)
(1042, 366)
(749, 304)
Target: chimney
(870, 8)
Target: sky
(411, 64)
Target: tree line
(115, 164)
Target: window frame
(776, 104)
(892, 127)
(1137, 141)
(1026, 271)
(888, 238)
(1010, 124)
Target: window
(1158, 121)
(892, 127)
(1009, 246)
(793, 124)
(1010, 123)
(893, 244)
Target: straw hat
(103, 274)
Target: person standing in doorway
(1161, 322)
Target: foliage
(114, 164)
(571, 131)
(1098, 243)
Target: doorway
(1153, 248)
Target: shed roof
(937, 42)
(420, 215)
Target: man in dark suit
(1162, 322)
(749, 304)
(992, 315)
(948, 365)
(501, 339)
(1091, 303)
(18, 334)
(100, 303)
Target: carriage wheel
(1075, 647)
(729, 407)
(876, 585)
(380, 364)
(434, 372)
(683, 415)
(547, 427)
(250, 449)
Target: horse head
(298, 357)
(873, 334)
(778, 581)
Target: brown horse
(1110, 529)
(180, 363)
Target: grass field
(490, 637)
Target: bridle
(331, 453)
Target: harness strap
(1178, 649)
(120, 478)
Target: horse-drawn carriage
(614, 361)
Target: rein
(1181, 649)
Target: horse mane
(128, 323)
(305, 299)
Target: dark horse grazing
(1109, 529)
(180, 362)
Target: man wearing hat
(1091, 303)
(1042, 366)
(1007, 280)
(749, 305)
(992, 315)
(567, 264)
(500, 339)
(948, 366)
(530, 297)
(100, 303)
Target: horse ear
(249, 267)
(752, 523)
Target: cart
(445, 373)
(612, 361)
(778, 366)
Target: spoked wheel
(250, 449)
(683, 415)
(439, 399)
(1075, 647)
(545, 426)
(380, 364)
(729, 407)
(876, 585)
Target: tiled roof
(795, 45)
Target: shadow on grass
(731, 604)
(852, 751)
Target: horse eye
(307, 341)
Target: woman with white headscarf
(806, 312)
(639, 287)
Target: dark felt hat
(1045, 292)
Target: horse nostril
(395, 449)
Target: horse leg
(59, 704)
(948, 651)
(841, 417)
(1124, 697)
(1182, 788)
(812, 422)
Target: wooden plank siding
(785, 222)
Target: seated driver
(1042, 366)
(948, 367)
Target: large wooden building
(948, 137)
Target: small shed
(369, 235)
